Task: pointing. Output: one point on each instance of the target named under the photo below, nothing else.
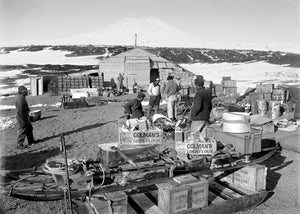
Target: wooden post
(64, 153)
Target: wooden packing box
(267, 128)
(256, 96)
(267, 96)
(111, 158)
(226, 78)
(252, 178)
(264, 88)
(178, 198)
(229, 83)
(245, 143)
(116, 203)
(230, 90)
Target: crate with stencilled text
(181, 195)
(116, 203)
(140, 137)
(193, 146)
(252, 178)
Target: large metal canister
(236, 122)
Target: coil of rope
(57, 166)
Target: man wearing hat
(200, 112)
(25, 127)
(133, 108)
(155, 97)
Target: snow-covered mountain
(150, 32)
(153, 32)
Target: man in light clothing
(171, 91)
(155, 97)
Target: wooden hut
(143, 67)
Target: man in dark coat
(133, 108)
(200, 113)
(24, 125)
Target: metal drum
(261, 107)
(274, 109)
(236, 122)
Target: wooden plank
(223, 191)
(214, 198)
(239, 190)
(142, 204)
(233, 205)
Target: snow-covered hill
(150, 32)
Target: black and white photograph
(149, 106)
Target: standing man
(25, 127)
(120, 80)
(133, 108)
(171, 91)
(155, 97)
(201, 108)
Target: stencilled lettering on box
(180, 201)
(199, 197)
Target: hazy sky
(227, 21)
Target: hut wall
(138, 70)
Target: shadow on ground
(73, 131)
(28, 159)
(274, 164)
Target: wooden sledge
(222, 198)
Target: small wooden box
(252, 178)
(267, 128)
(116, 203)
(178, 198)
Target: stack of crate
(266, 90)
(253, 97)
(219, 90)
(96, 82)
(65, 83)
(280, 95)
(229, 86)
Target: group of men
(200, 110)
(199, 115)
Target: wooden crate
(245, 143)
(229, 83)
(116, 203)
(268, 96)
(264, 88)
(267, 128)
(252, 178)
(226, 78)
(178, 198)
(230, 90)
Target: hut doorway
(154, 73)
